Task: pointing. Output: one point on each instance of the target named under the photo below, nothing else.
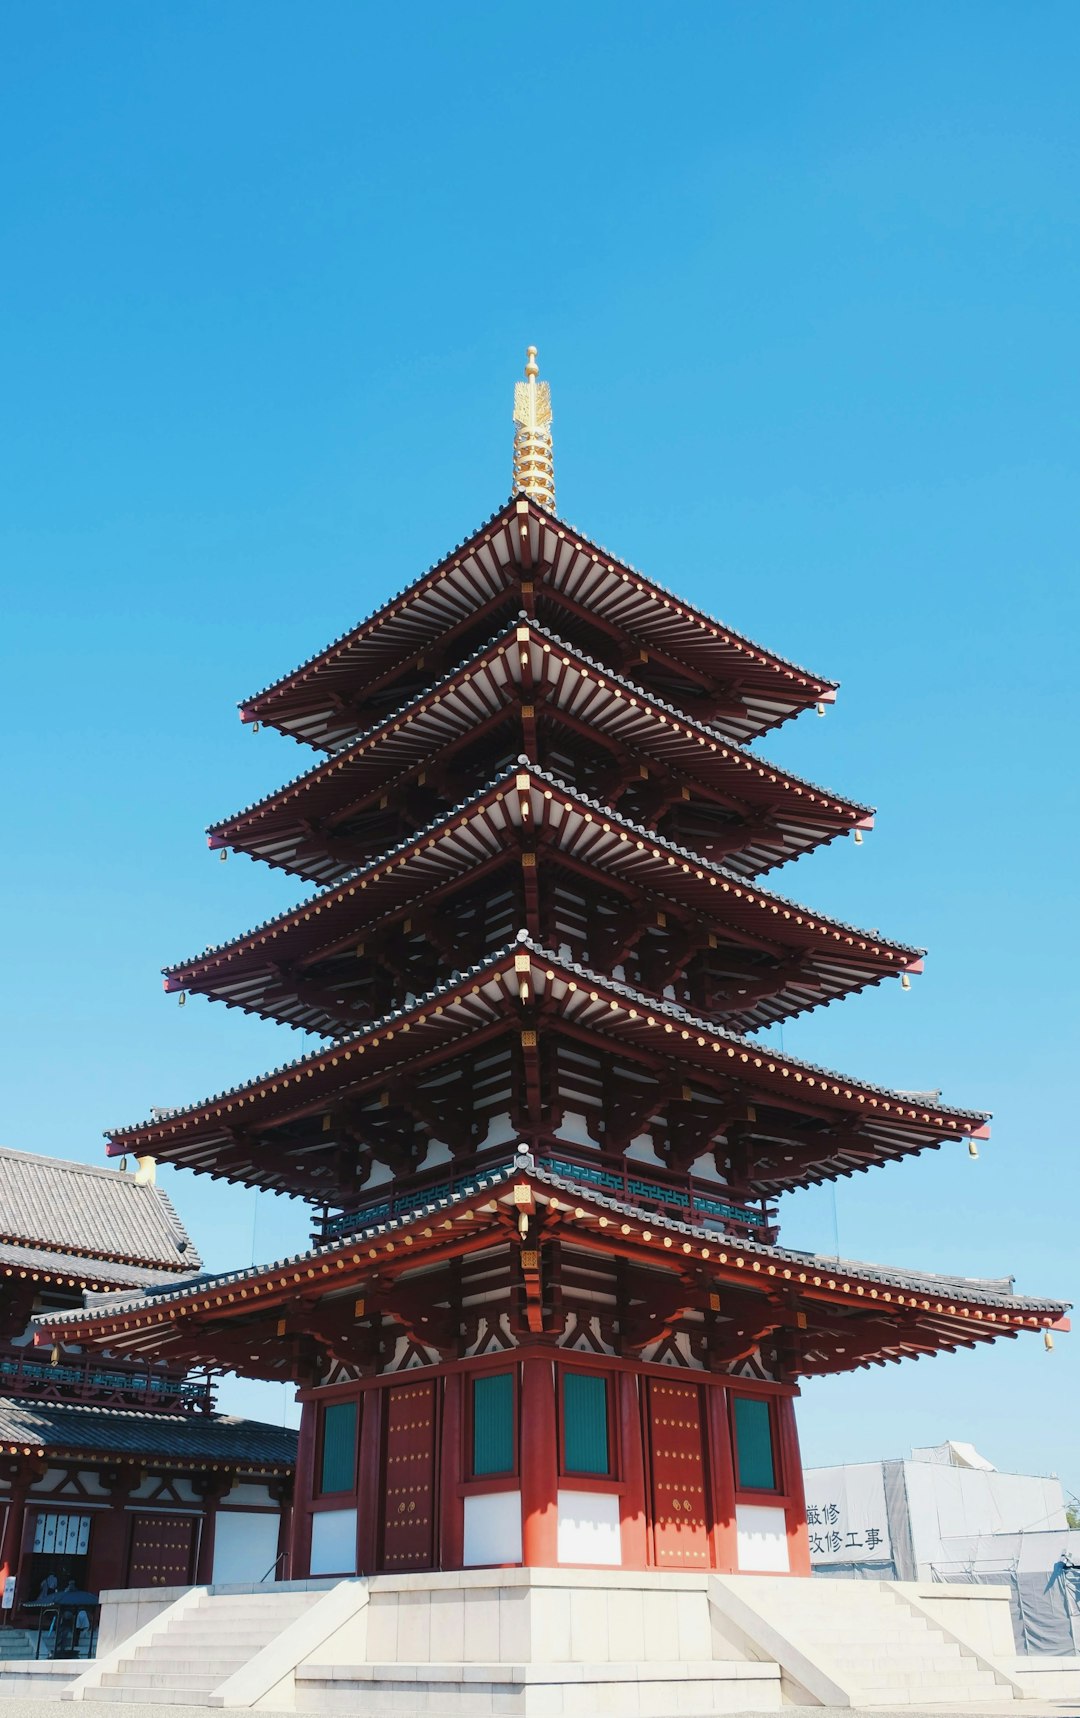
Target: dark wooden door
(162, 1550)
(408, 1536)
(680, 1530)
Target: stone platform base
(568, 1643)
(645, 1689)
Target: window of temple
(337, 1464)
(586, 1424)
(755, 1463)
(494, 1442)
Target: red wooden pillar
(11, 1547)
(300, 1534)
(109, 1537)
(450, 1552)
(211, 1489)
(371, 1482)
(633, 1524)
(791, 1469)
(283, 1497)
(539, 1465)
(723, 1533)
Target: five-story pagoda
(547, 1319)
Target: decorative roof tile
(990, 1292)
(89, 1212)
(188, 1440)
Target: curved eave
(495, 999)
(838, 959)
(524, 544)
(905, 1312)
(528, 666)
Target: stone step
(146, 1696)
(256, 1601)
(183, 1634)
(268, 1613)
(182, 1680)
(923, 1694)
(876, 1652)
(205, 1662)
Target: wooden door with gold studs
(680, 1529)
(408, 1522)
(162, 1550)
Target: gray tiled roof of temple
(192, 1439)
(90, 1212)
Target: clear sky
(804, 281)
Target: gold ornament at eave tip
(534, 465)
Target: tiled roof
(91, 1213)
(188, 1439)
(445, 818)
(554, 519)
(991, 1292)
(728, 748)
(84, 1270)
(668, 1010)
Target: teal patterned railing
(684, 1197)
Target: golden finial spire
(534, 468)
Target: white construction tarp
(846, 1516)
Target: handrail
(278, 1559)
(20, 1374)
(694, 1200)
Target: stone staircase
(188, 1658)
(859, 1643)
(17, 1644)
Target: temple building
(115, 1473)
(546, 1318)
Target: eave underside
(531, 853)
(535, 1037)
(519, 1247)
(526, 559)
(531, 694)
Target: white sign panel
(846, 1517)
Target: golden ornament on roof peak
(534, 466)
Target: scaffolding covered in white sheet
(946, 1514)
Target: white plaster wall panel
(245, 1546)
(249, 1491)
(574, 1129)
(761, 1536)
(500, 1131)
(492, 1528)
(333, 1542)
(588, 1529)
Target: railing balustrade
(90, 1381)
(687, 1197)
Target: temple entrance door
(162, 1550)
(680, 1530)
(408, 1522)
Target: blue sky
(804, 281)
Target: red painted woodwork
(300, 1527)
(14, 1522)
(409, 1516)
(680, 1521)
(792, 1480)
(539, 1464)
(369, 1482)
(452, 1468)
(161, 1550)
(723, 1532)
(633, 1519)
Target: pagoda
(546, 1318)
